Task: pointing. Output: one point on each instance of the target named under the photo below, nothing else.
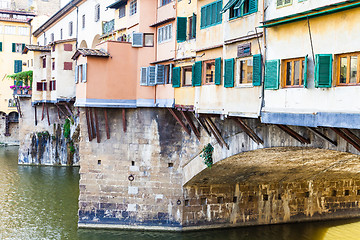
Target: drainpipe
(77, 24)
(262, 96)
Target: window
(52, 37)
(148, 39)
(10, 30)
(168, 72)
(17, 66)
(18, 47)
(282, 3)
(293, 72)
(53, 64)
(209, 72)
(187, 76)
(1, 47)
(97, 12)
(122, 11)
(244, 71)
(41, 86)
(210, 14)
(44, 62)
(192, 27)
(164, 2)
(247, 7)
(70, 29)
(83, 21)
(347, 69)
(80, 67)
(61, 34)
(68, 47)
(133, 7)
(25, 31)
(53, 85)
(165, 33)
(68, 65)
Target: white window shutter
(160, 74)
(151, 78)
(137, 39)
(143, 76)
(84, 71)
(76, 74)
(170, 73)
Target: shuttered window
(305, 71)
(282, 3)
(323, 70)
(196, 81)
(84, 73)
(218, 71)
(0, 46)
(210, 14)
(41, 86)
(53, 85)
(257, 70)
(176, 77)
(181, 29)
(17, 66)
(242, 8)
(229, 73)
(272, 70)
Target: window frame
(205, 11)
(348, 68)
(238, 76)
(153, 40)
(184, 70)
(52, 85)
(71, 25)
(97, 12)
(283, 4)
(284, 72)
(83, 18)
(160, 37)
(204, 79)
(165, 2)
(133, 7)
(124, 11)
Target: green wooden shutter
(13, 47)
(218, 71)
(17, 66)
(323, 70)
(20, 66)
(197, 75)
(229, 73)
(272, 70)
(0, 46)
(22, 47)
(257, 70)
(193, 75)
(203, 17)
(176, 77)
(208, 15)
(219, 15)
(253, 6)
(305, 72)
(181, 28)
(193, 30)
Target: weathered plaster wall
(13, 130)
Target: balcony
(21, 91)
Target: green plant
(207, 155)
(67, 128)
(43, 134)
(71, 147)
(21, 78)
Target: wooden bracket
(70, 112)
(42, 114)
(35, 115)
(294, 134)
(59, 109)
(249, 131)
(88, 124)
(124, 119)
(93, 134)
(191, 123)
(203, 125)
(216, 132)
(47, 113)
(322, 136)
(179, 120)
(97, 127)
(106, 124)
(348, 136)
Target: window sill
(348, 85)
(165, 41)
(290, 87)
(244, 85)
(186, 86)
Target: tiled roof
(90, 52)
(36, 48)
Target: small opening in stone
(132, 163)
(170, 164)
(203, 201)
(307, 194)
(265, 197)
(279, 196)
(358, 192)
(186, 202)
(99, 162)
(347, 192)
(234, 199)
(220, 200)
(250, 198)
(333, 193)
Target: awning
(228, 5)
(117, 4)
(239, 4)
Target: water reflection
(41, 203)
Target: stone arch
(96, 41)
(13, 116)
(83, 44)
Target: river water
(41, 203)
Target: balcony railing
(21, 90)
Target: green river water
(41, 203)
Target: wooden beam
(88, 124)
(249, 131)
(351, 135)
(106, 124)
(216, 130)
(35, 116)
(124, 119)
(97, 127)
(213, 133)
(202, 124)
(294, 134)
(68, 108)
(47, 113)
(321, 135)
(58, 107)
(179, 120)
(17, 101)
(93, 134)
(346, 138)
(192, 126)
(42, 114)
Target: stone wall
(44, 143)
(13, 139)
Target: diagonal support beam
(213, 132)
(88, 124)
(179, 120)
(97, 127)
(106, 124)
(339, 132)
(192, 126)
(249, 131)
(294, 134)
(47, 113)
(322, 136)
(351, 135)
(59, 109)
(217, 132)
(203, 125)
